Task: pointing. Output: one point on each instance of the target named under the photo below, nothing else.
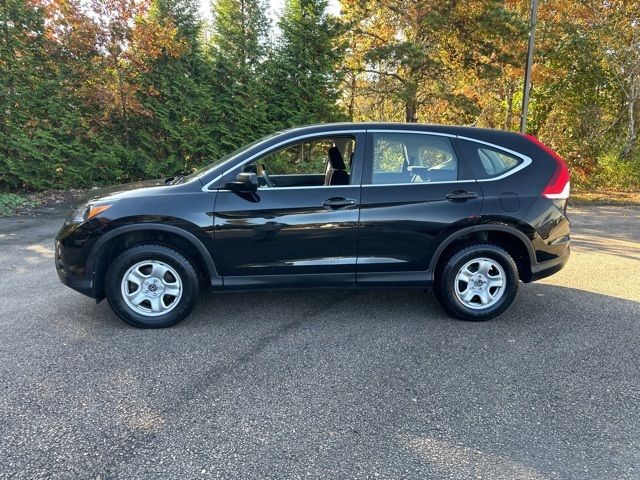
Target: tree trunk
(632, 133)
(410, 112)
(411, 103)
(352, 99)
(123, 103)
(508, 118)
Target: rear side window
(412, 158)
(489, 162)
(389, 155)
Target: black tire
(159, 253)
(445, 282)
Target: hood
(125, 190)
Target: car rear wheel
(478, 282)
(152, 286)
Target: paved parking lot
(326, 383)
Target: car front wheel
(478, 282)
(152, 286)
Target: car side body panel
(186, 212)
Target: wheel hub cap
(479, 284)
(151, 288)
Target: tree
(175, 89)
(304, 72)
(48, 55)
(105, 91)
(238, 50)
(417, 53)
(22, 51)
(619, 24)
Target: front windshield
(230, 156)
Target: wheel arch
(117, 240)
(514, 241)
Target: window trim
(304, 187)
(415, 184)
(526, 160)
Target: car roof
(453, 129)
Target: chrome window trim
(328, 133)
(417, 183)
(275, 189)
(526, 161)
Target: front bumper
(80, 284)
(548, 268)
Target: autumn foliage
(105, 91)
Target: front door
(415, 190)
(301, 226)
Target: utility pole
(527, 75)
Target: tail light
(559, 185)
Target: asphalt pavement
(326, 383)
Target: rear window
(489, 162)
(412, 158)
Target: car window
(412, 158)
(489, 162)
(389, 156)
(313, 162)
(309, 157)
(495, 162)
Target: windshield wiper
(173, 180)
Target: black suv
(466, 211)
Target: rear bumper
(548, 268)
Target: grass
(12, 203)
(605, 197)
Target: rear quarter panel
(517, 200)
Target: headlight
(86, 212)
(94, 210)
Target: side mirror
(245, 182)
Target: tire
(467, 285)
(169, 294)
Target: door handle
(461, 195)
(339, 202)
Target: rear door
(416, 190)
